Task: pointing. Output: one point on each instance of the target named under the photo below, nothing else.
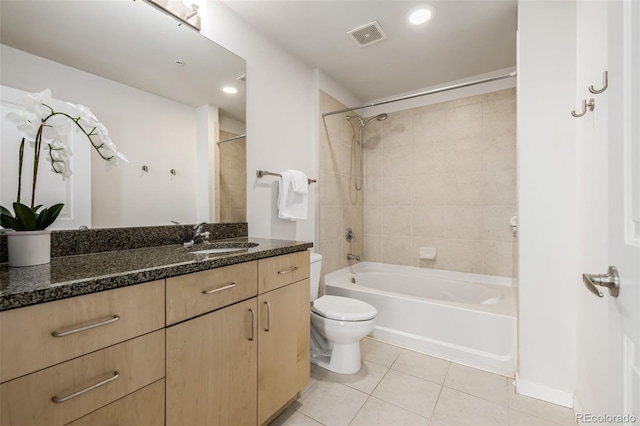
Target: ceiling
(462, 39)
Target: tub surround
(69, 276)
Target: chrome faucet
(353, 257)
(199, 234)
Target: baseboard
(545, 393)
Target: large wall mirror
(158, 88)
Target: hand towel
(291, 205)
(299, 181)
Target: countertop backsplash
(75, 242)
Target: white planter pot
(28, 248)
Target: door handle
(611, 280)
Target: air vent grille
(368, 34)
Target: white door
(623, 395)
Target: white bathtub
(466, 318)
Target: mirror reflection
(157, 87)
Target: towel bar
(261, 173)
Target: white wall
(148, 129)
(547, 200)
(592, 153)
(280, 120)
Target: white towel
(299, 181)
(292, 205)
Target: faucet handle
(199, 226)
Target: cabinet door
(283, 346)
(211, 368)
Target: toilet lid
(343, 308)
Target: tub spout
(353, 257)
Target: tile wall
(340, 208)
(443, 176)
(440, 176)
(233, 179)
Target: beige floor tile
(411, 393)
(459, 409)
(364, 380)
(518, 418)
(421, 365)
(331, 403)
(291, 417)
(377, 412)
(317, 373)
(378, 352)
(482, 384)
(535, 407)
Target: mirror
(157, 87)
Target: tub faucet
(353, 257)
(199, 234)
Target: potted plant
(29, 243)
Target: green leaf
(5, 211)
(8, 222)
(36, 208)
(25, 216)
(51, 215)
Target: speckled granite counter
(76, 275)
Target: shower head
(379, 117)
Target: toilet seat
(343, 308)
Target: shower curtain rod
(232, 139)
(428, 92)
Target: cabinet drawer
(201, 292)
(84, 384)
(141, 408)
(275, 272)
(104, 318)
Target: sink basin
(219, 250)
(222, 247)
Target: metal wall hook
(605, 84)
(585, 105)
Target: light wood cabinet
(38, 336)
(62, 393)
(283, 346)
(274, 272)
(211, 368)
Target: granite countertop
(89, 273)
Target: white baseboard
(545, 393)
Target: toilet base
(344, 358)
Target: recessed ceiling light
(230, 90)
(420, 16)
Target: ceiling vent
(368, 34)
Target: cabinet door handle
(215, 290)
(59, 399)
(287, 270)
(252, 321)
(85, 327)
(268, 316)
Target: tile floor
(400, 387)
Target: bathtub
(462, 317)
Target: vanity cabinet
(63, 360)
(225, 346)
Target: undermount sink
(222, 247)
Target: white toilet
(337, 326)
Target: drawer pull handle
(85, 327)
(59, 399)
(252, 321)
(215, 290)
(268, 316)
(286, 271)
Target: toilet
(337, 326)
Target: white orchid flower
(88, 120)
(36, 103)
(57, 127)
(26, 122)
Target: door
(283, 346)
(624, 208)
(211, 368)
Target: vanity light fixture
(420, 16)
(230, 90)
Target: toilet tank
(316, 266)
